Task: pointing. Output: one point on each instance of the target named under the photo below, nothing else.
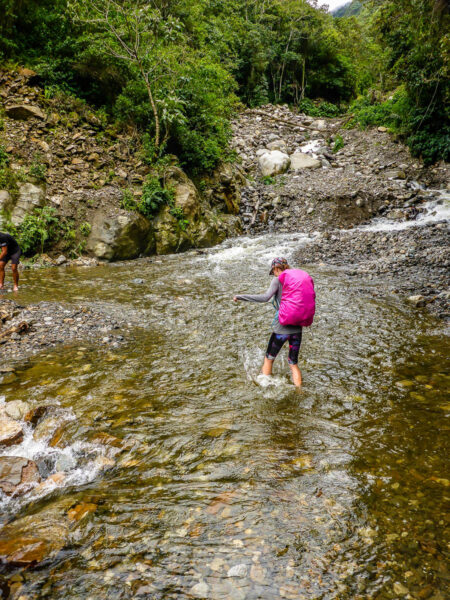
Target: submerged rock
(33, 539)
(17, 473)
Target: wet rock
(274, 163)
(81, 510)
(23, 112)
(400, 589)
(257, 574)
(418, 301)
(65, 462)
(60, 260)
(36, 414)
(17, 474)
(16, 409)
(33, 539)
(299, 160)
(30, 196)
(46, 428)
(11, 432)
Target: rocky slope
(323, 178)
(61, 154)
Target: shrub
(127, 202)
(4, 156)
(319, 109)
(338, 143)
(38, 229)
(154, 196)
(85, 229)
(38, 169)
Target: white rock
(259, 153)
(16, 409)
(200, 590)
(237, 571)
(299, 160)
(30, 197)
(320, 124)
(274, 163)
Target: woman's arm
(273, 289)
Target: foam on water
(435, 210)
(79, 461)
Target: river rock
(418, 301)
(11, 432)
(274, 163)
(36, 414)
(22, 112)
(30, 540)
(120, 236)
(46, 428)
(16, 472)
(320, 124)
(299, 160)
(200, 590)
(277, 145)
(31, 196)
(16, 409)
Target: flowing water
(229, 485)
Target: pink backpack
(298, 299)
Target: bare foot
(15, 288)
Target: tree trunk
(153, 104)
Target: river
(229, 485)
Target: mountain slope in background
(348, 10)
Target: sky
(333, 3)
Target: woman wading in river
(293, 296)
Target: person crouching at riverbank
(292, 291)
(9, 251)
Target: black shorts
(14, 257)
(277, 341)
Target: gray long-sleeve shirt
(274, 291)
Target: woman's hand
(235, 299)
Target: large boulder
(17, 474)
(222, 188)
(274, 163)
(186, 197)
(120, 236)
(23, 112)
(31, 196)
(299, 160)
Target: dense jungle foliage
(177, 70)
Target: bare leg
(2, 274)
(15, 274)
(296, 375)
(267, 367)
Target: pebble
(238, 570)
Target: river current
(230, 485)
